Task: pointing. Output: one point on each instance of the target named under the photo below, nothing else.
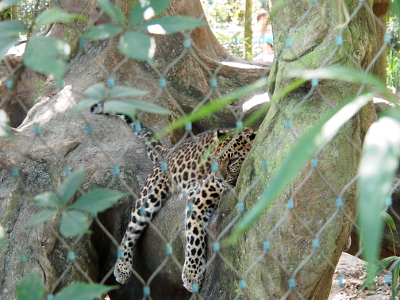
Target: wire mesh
(48, 147)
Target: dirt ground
(352, 269)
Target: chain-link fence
(70, 178)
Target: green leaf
(346, 74)
(378, 165)
(10, 31)
(171, 24)
(112, 11)
(379, 267)
(129, 107)
(30, 287)
(322, 132)
(83, 291)
(47, 199)
(73, 223)
(98, 200)
(4, 124)
(84, 104)
(395, 8)
(137, 45)
(47, 55)
(146, 11)
(96, 91)
(212, 107)
(53, 15)
(124, 91)
(42, 217)
(71, 185)
(388, 220)
(4, 4)
(102, 31)
(395, 279)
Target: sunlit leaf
(171, 24)
(129, 107)
(112, 11)
(97, 200)
(73, 223)
(30, 287)
(124, 91)
(71, 185)
(137, 45)
(84, 104)
(42, 217)
(389, 220)
(10, 31)
(102, 31)
(322, 132)
(47, 199)
(47, 55)
(53, 15)
(144, 10)
(83, 291)
(378, 165)
(4, 4)
(96, 91)
(380, 266)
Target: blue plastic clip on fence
(213, 82)
(187, 43)
(137, 127)
(242, 284)
(341, 281)
(110, 82)
(190, 206)
(314, 162)
(36, 129)
(339, 202)
(239, 125)
(9, 84)
(93, 214)
(240, 206)
(214, 166)
(162, 82)
(120, 253)
(389, 201)
(14, 172)
(292, 282)
(50, 297)
(168, 249)
(265, 165)
(388, 279)
(267, 245)
(288, 123)
(388, 37)
(290, 204)
(71, 255)
(61, 83)
(195, 288)
(89, 129)
(339, 40)
(22, 258)
(314, 82)
(216, 247)
(116, 170)
(142, 211)
(289, 42)
(67, 171)
(164, 166)
(82, 43)
(146, 291)
(188, 126)
(315, 243)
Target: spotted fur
(189, 171)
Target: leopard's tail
(155, 150)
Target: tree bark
(290, 267)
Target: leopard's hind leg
(202, 202)
(152, 196)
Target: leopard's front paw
(122, 270)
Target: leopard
(201, 168)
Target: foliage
(31, 287)
(74, 217)
(393, 51)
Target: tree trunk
(50, 140)
(276, 258)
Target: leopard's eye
(233, 161)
